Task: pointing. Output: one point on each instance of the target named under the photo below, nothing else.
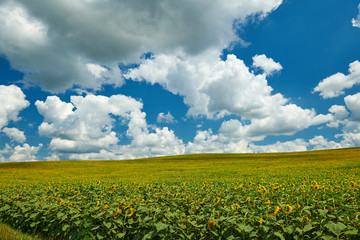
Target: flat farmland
(303, 195)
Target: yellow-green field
(307, 195)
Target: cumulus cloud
(15, 134)
(53, 42)
(12, 101)
(288, 146)
(267, 64)
(339, 114)
(356, 22)
(19, 153)
(165, 118)
(84, 124)
(353, 104)
(349, 125)
(319, 142)
(83, 128)
(206, 141)
(335, 85)
(212, 87)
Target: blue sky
(121, 80)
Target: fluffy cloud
(53, 42)
(353, 104)
(210, 85)
(12, 101)
(85, 124)
(335, 85)
(356, 22)
(165, 118)
(319, 142)
(83, 128)
(19, 153)
(206, 141)
(339, 114)
(213, 88)
(15, 134)
(350, 126)
(287, 120)
(289, 146)
(159, 142)
(267, 64)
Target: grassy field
(305, 195)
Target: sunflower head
(287, 209)
(211, 223)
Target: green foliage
(312, 195)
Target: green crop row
(187, 210)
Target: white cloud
(267, 64)
(102, 155)
(319, 142)
(165, 118)
(207, 142)
(19, 153)
(75, 34)
(83, 128)
(148, 144)
(335, 85)
(85, 124)
(289, 146)
(339, 113)
(213, 88)
(15, 134)
(12, 101)
(353, 104)
(356, 22)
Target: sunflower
(357, 216)
(131, 212)
(211, 223)
(235, 206)
(118, 212)
(276, 211)
(288, 207)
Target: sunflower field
(308, 195)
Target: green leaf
(288, 229)
(107, 224)
(65, 227)
(150, 235)
(336, 228)
(99, 236)
(245, 228)
(323, 212)
(5, 208)
(326, 237)
(307, 228)
(60, 214)
(160, 226)
(279, 235)
(121, 235)
(77, 223)
(351, 232)
(94, 228)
